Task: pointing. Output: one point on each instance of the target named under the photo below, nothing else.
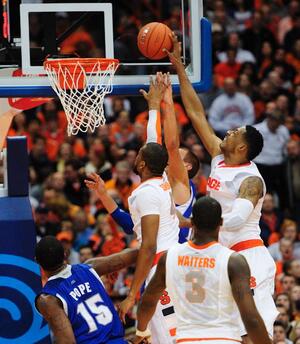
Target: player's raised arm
(177, 172)
(150, 298)
(251, 190)
(192, 103)
(52, 311)
(154, 97)
(149, 228)
(122, 218)
(239, 275)
(114, 262)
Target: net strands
(81, 88)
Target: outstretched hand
(168, 94)
(96, 183)
(175, 54)
(155, 94)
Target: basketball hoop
(81, 85)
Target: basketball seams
(152, 30)
(162, 41)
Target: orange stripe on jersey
(172, 332)
(245, 245)
(182, 340)
(201, 247)
(158, 128)
(157, 258)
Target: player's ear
(242, 147)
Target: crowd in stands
(256, 80)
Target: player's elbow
(252, 323)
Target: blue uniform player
(183, 165)
(74, 301)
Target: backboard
(107, 28)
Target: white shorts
(263, 269)
(163, 323)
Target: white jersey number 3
(196, 279)
(101, 313)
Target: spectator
(283, 317)
(270, 221)
(286, 23)
(293, 59)
(231, 109)
(228, 69)
(241, 55)
(294, 34)
(279, 333)
(293, 177)
(81, 229)
(121, 183)
(270, 161)
(287, 283)
(121, 131)
(85, 253)
(288, 231)
(254, 36)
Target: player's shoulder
(217, 160)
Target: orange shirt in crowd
(224, 70)
(123, 191)
(118, 134)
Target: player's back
(198, 283)
(223, 185)
(87, 305)
(154, 197)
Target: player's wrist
(154, 105)
(143, 333)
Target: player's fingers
(144, 94)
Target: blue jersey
(186, 211)
(91, 312)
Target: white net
(81, 87)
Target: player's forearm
(170, 127)
(123, 219)
(191, 101)
(146, 309)
(256, 330)
(143, 266)
(108, 202)
(63, 339)
(114, 262)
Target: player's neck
(200, 240)
(233, 160)
(55, 272)
(148, 175)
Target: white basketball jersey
(154, 196)
(198, 283)
(224, 185)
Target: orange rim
(87, 63)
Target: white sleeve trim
(241, 210)
(63, 301)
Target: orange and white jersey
(198, 283)
(223, 185)
(154, 197)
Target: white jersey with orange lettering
(223, 185)
(198, 283)
(154, 196)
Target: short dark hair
(155, 157)
(49, 253)
(279, 323)
(255, 142)
(192, 159)
(85, 246)
(207, 214)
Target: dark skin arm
(114, 262)
(52, 311)
(151, 297)
(192, 103)
(251, 189)
(146, 254)
(239, 275)
(177, 172)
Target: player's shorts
(263, 269)
(163, 323)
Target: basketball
(153, 38)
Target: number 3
(197, 294)
(102, 313)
